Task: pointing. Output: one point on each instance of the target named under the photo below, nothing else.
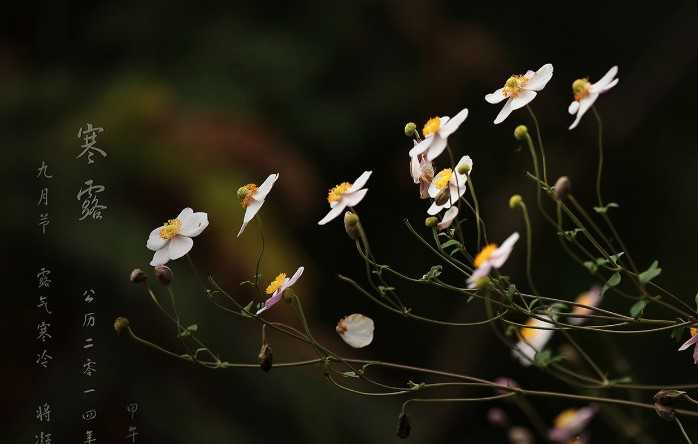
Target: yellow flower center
(432, 126)
(246, 193)
(580, 88)
(336, 193)
(694, 331)
(565, 418)
(170, 229)
(441, 179)
(484, 254)
(528, 333)
(276, 283)
(514, 85)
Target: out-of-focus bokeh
(198, 100)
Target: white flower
(436, 132)
(532, 339)
(586, 93)
(448, 186)
(519, 90)
(491, 257)
(173, 239)
(447, 220)
(252, 198)
(345, 195)
(592, 298)
(277, 287)
(422, 173)
(356, 330)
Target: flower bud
(497, 417)
(138, 276)
(507, 382)
(515, 201)
(351, 225)
(411, 130)
(520, 435)
(664, 411)
(520, 132)
(265, 358)
(403, 426)
(482, 282)
(431, 221)
(464, 169)
(120, 324)
(163, 274)
(562, 188)
(667, 397)
(242, 192)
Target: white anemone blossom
(491, 257)
(252, 198)
(436, 132)
(174, 238)
(448, 186)
(345, 195)
(277, 287)
(586, 93)
(532, 339)
(356, 330)
(447, 220)
(519, 90)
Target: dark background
(198, 100)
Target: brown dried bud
(667, 397)
(562, 188)
(120, 324)
(163, 274)
(664, 411)
(138, 276)
(351, 225)
(266, 358)
(403, 426)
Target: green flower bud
(515, 201)
(431, 221)
(464, 169)
(242, 192)
(351, 225)
(138, 276)
(163, 273)
(120, 324)
(411, 130)
(520, 132)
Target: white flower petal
(160, 257)
(504, 113)
(496, 96)
(605, 81)
(292, 280)
(453, 124)
(480, 272)
(524, 353)
(242, 228)
(334, 212)
(179, 246)
(356, 330)
(185, 214)
(609, 86)
(574, 106)
(353, 199)
(434, 209)
(540, 78)
(584, 105)
(415, 169)
(522, 99)
(692, 340)
(433, 190)
(265, 187)
(155, 241)
(252, 210)
(271, 301)
(360, 182)
(456, 193)
(421, 146)
(194, 225)
(501, 254)
(438, 145)
(449, 217)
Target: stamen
(484, 255)
(170, 229)
(432, 126)
(276, 283)
(336, 192)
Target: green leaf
(605, 208)
(193, 328)
(638, 308)
(545, 358)
(650, 273)
(570, 235)
(450, 243)
(594, 265)
(614, 280)
(433, 273)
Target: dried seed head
(120, 324)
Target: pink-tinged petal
(453, 124)
(501, 254)
(415, 169)
(421, 146)
(359, 182)
(695, 355)
(541, 78)
(604, 81)
(522, 99)
(437, 147)
(185, 214)
(179, 246)
(689, 343)
(297, 275)
(480, 272)
(265, 187)
(334, 212)
(495, 97)
(195, 224)
(573, 108)
(160, 257)
(353, 199)
(449, 217)
(356, 330)
(155, 241)
(434, 209)
(276, 297)
(504, 113)
(584, 105)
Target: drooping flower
(448, 186)
(586, 93)
(356, 330)
(345, 195)
(519, 90)
(436, 132)
(491, 257)
(570, 423)
(532, 339)
(252, 198)
(174, 238)
(592, 298)
(277, 287)
(422, 173)
(693, 340)
(449, 217)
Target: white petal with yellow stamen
(254, 199)
(532, 339)
(345, 195)
(586, 94)
(436, 132)
(519, 91)
(173, 240)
